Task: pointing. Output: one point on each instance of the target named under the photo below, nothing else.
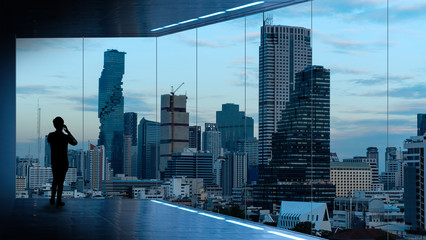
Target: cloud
(250, 60)
(411, 92)
(410, 108)
(381, 79)
(252, 38)
(133, 101)
(345, 43)
(408, 11)
(354, 71)
(56, 76)
(36, 89)
(137, 101)
(353, 46)
(348, 129)
(42, 44)
(202, 43)
(398, 12)
(90, 101)
(252, 79)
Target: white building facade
(350, 177)
(292, 213)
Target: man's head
(58, 122)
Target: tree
(305, 227)
(274, 224)
(234, 211)
(325, 234)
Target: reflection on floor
(130, 219)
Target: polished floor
(130, 219)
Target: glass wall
(375, 91)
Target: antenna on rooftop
(268, 20)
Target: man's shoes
(52, 201)
(60, 204)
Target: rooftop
(130, 219)
(349, 165)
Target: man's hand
(66, 129)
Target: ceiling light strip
(245, 225)
(208, 15)
(212, 216)
(231, 221)
(245, 6)
(189, 210)
(187, 21)
(213, 14)
(286, 235)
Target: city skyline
(357, 92)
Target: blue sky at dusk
(349, 38)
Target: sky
(349, 38)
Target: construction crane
(173, 92)
(172, 118)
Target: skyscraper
(421, 124)
(414, 182)
(192, 164)
(96, 156)
(233, 125)
(195, 137)
(174, 128)
(47, 153)
(130, 126)
(300, 164)
(249, 146)
(111, 107)
(373, 153)
(233, 171)
(212, 140)
(393, 177)
(283, 52)
(130, 143)
(127, 155)
(148, 149)
(372, 159)
(304, 131)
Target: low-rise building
(351, 213)
(21, 183)
(39, 176)
(292, 213)
(387, 196)
(350, 177)
(182, 186)
(153, 192)
(123, 188)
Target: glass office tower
(301, 147)
(148, 149)
(234, 125)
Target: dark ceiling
(119, 18)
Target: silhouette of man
(59, 154)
